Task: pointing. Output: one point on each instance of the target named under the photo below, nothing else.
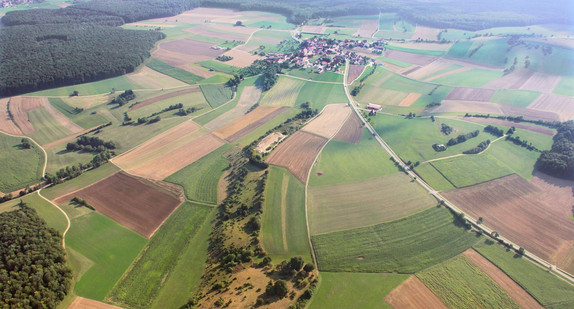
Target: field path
(65, 215)
(462, 154)
(284, 188)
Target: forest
(559, 161)
(33, 269)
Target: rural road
(562, 274)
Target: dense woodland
(559, 161)
(33, 270)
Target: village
(12, 3)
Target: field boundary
(65, 215)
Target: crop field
(241, 58)
(517, 293)
(48, 129)
(218, 67)
(62, 119)
(19, 167)
(470, 94)
(351, 131)
(199, 179)
(561, 105)
(418, 59)
(297, 153)
(53, 217)
(224, 109)
(176, 73)
(541, 82)
(223, 32)
(433, 177)
(514, 97)
(249, 96)
(368, 28)
(347, 290)
(396, 62)
(459, 283)
(462, 107)
(311, 75)
(284, 230)
(513, 80)
(249, 122)
(6, 123)
(469, 78)
(468, 170)
(216, 95)
(520, 126)
(185, 51)
(81, 303)
(557, 190)
(284, 93)
(103, 249)
(109, 85)
(355, 71)
(329, 121)
(513, 207)
(355, 204)
(564, 87)
(490, 52)
(164, 97)
(401, 83)
(320, 94)
(412, 293)
(406, 245)
(264, 128)
(19, 108)
(545, 287)
(84, 119)
(382, 96)
(140, 286)
(82, 181)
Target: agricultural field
(284, 93)
(84, 119)
(284, 230)
(311, 75)
(174, 72)
(329, 121)
(351, 131)
(216, 95)
(514, 97)
(406, 245)
(189, 98)
(249, 97)
(80, 182)
(249, 122)
(412, 293)
(19, 167)
(469, 78)
(321, 94)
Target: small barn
(374, 107)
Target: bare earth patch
(541, 82)
(164, 97)
(470, 94)
(139, 204)
(351, 130)
(298, 153)
(329, 121)
(413, 294)
(429, 69)
(241, 58)
(559, 191)
(368, 28)
(514, 80)
(19, 107)
(249, 97)
(426, 33)
(185, 51)
(516, 292)
(313, 29)
(269, 140)
(6, 124)
(154, 79)
(410, 99)
(417, 59)
(228, 34)
(514, 207)
(561, 105)
(355, 71)
(84, 303)
(248, 122)
(195, 70)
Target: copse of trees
(559, 160)
(124, 97)
(462, 138)
(479, 148)
(90, 144)
(494, 130)
(33, 269)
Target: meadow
(437, 53)
(310, 74)
(177, 73)
(47, 129)
(520, 98)
(564, 87)
(19, 167)
(109, 85)
(216, 95)
(217, 66)
(284, 93)
(193, 99)
(320, 94)
(85, 119)
(284, 229)
(53, 217)
(459, 283)
(406, 245)
(471, 78)
(86, 179)
(400, 63)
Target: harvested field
(561, 105)
(249, 97)
(232, 29)
(268, 141)
(417, 59)
(429, 69)
(139, 204)
(227, 34)
(355, 71)
(559, 191)
(520, 296)
(410, 99)
(313, 29)
(284, 93)
(61, 118)
(193, 69)
(329, 121)
(19, 107)
(470, 94)
(351, 131)
(149, 78)
(423, 45)
(241, 58)
(541, 82)
(6, 124)
(473, 107)
(514, 207)
(85, 303)
(459, 70)
(185, 51)
(368, 28)
(413, 294)
(298, 153)
(248, 122)
(212, 15)
(426, 33)
(163, 97)
(506, 123)
(514, 80)
(411, 69)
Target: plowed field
(413, 294)
(6, 124)
(19, 107)
(514, 80)
(248, 98)
(470, 94)
(185, 51)
(351, 130)
(248, 122)
(355, 71)
(561, 105)
(329, 121)
(541, 82)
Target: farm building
(374, 107)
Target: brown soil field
(329, 121)
(429, 69)
(355, 71)
(249, 122)
(164, 97)
(241, 58)
(410, 99)
(561, 105)
(560, 191)
(186, 51)
(506, 123)
(195, 70)
(368, 28)
(249, 97)
(6, 124)
(470, 94)
(61, 118)
(268, 140)
(410, 57)
(313, 29)
(149, 78)
(411, 69)
(513, 207)
(514, 80)
(459, 70)
(168, 152)
(518, 294)
(84, 303)
(351, 130)
(19, 107)
(413, 294)
(139, 204)
(205, 30)
(541, 82)
(426, 33)
(298, 153)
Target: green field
(406, 245)
(564, 87)
(320, 94)
(284, 229)
(310, 74)
(46, 128)
(216, 95)
(459, 49)
(520, 98)
(84, 119)
(200, 178)
(109, 85)
(354, 290)
(109, 247)
(382, 96)
(546, 288)
(193, 99)
(559, 62)
(393, 35)
(460, 284)
(491, 52)
(177, 73)
(417, 51)
(451, 67)
(19, 167)
(218, 66)
(53, 217)
(471, 78)
(81, 181)
(436, 97)
(142, 284)
(400, 83)
(341, 162)
(284, 93)
(402, 64)
(433, 177)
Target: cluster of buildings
(11, 3)
(328, 54)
